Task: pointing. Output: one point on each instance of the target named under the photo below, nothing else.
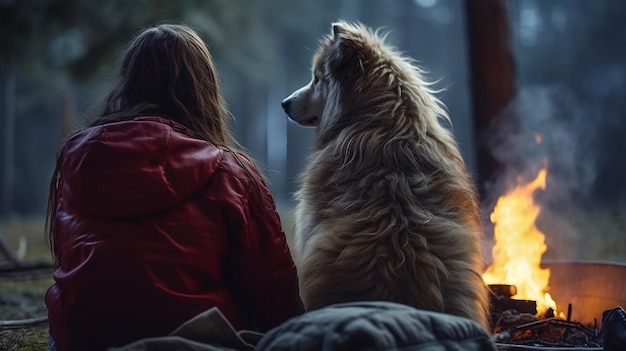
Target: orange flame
(520, 245)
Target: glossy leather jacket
(155, 226)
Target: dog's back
(387, 210)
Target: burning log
(502, 302)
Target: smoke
(547, 126)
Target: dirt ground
(22, 299)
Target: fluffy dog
(386, 208)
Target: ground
(23, 299)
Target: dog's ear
(341, 50)
(337, 30)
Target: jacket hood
(135, 167)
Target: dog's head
(308, 105)
(358, 78)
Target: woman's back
(154, 226)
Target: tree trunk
(492, 77)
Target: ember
(515, 324)
(525, 329)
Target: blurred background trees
(569, 68)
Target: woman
(154, 213)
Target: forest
(567, 86)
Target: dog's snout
(285, 103)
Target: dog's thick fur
(387, 209)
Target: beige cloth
(208, 331)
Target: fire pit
(554, 304)
(583, 290)
(591, 287)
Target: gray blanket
(376, 326)
(350, 326)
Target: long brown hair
(167, 70)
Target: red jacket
(155, 226)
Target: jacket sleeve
(268, 282)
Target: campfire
(520, 245)
(524, 313)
